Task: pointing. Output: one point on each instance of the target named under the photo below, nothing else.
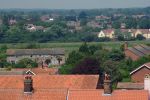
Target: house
(54, 56)
(144, 32)
(46, 18)
(107, 33)
(139, 73)
(32, 28)
(63, 87)
(93, 24)
(12, 21)
(123, 26)
(136, 52)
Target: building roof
(130, 86)
(64, 94)
(34, 71)
(116, 95)
(18, 52)
(140, 50)
(63, 87)
(108, 31)
(147, 65)
(51, 81)
(40, 94)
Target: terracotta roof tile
(52, 81)
(116, 95)
(41, 94)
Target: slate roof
(140, 50)
(130, 86)
(18, 52)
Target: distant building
(32, 28)
(46, 18)
(107, 33)
(93, 24)
(55, 56)
(136, 52)
(12, 21)
(139, 73)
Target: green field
(74, 45)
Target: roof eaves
(139, 68)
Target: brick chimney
(126, 45)
(107, 85)
(28, 84)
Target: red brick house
(138, 74)
(136, 52)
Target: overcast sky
(73, 4)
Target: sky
(73, 4)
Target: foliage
(88, 65)
(116, 55)
(73, 58)
(25, 63)
(140, 37)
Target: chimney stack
(28, 84)
(107, 85)
(126, 45)
(147, 82)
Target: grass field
(74, 45)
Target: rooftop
(18, 52)
(140, 50)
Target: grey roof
(18, 52)
(140, 50)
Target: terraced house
(55, 56)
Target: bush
(26, 63)
(88, 65)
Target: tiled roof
(18, 52)
(116, 95)
(130, 86)
(38, 71)
(40, 94)
(63, 87)
(51, 81)
(108, 31)
(140, 50)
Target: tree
(111, 68)
(140, 37)
(88, 65)
(73, 58)
(84, 48)
(116, 55)
(26, 62)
